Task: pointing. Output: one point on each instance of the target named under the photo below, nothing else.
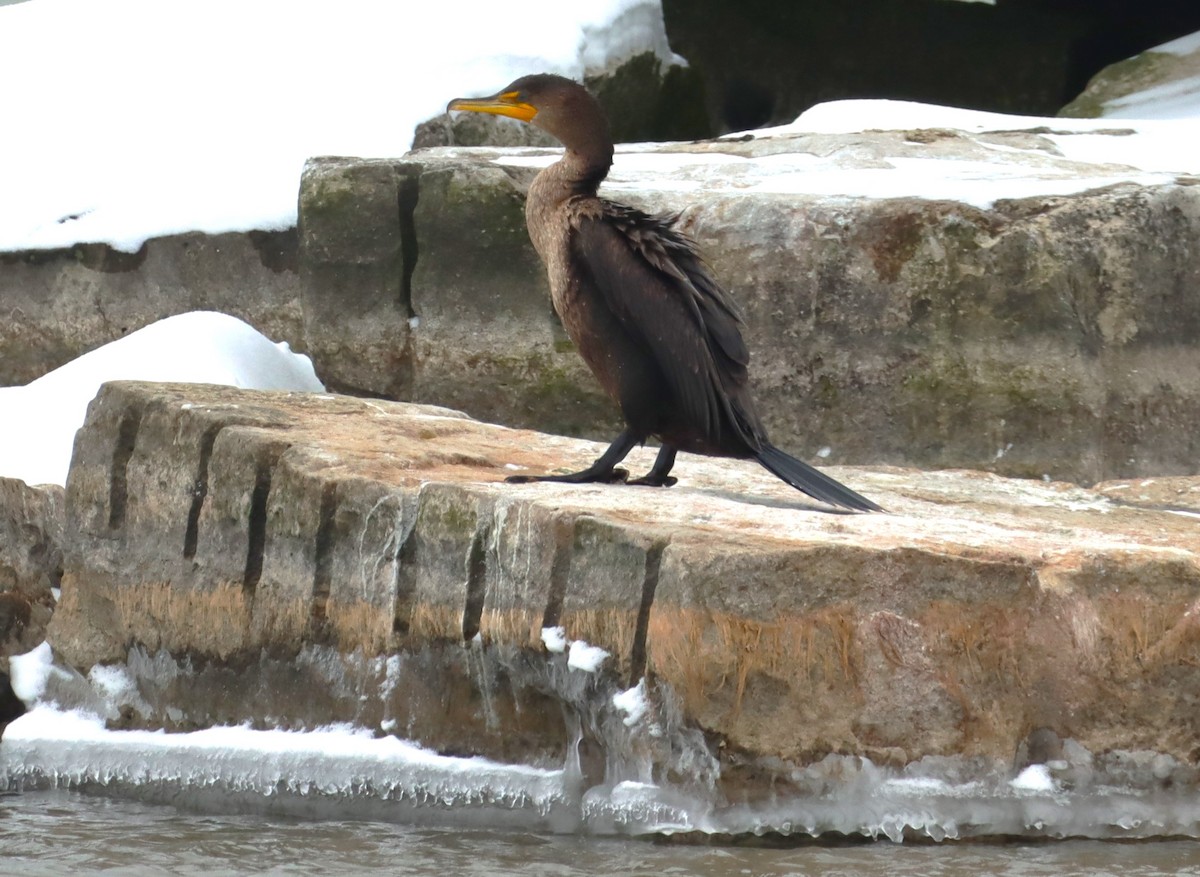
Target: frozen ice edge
(351, 772)
(344, 772)
(48, 748)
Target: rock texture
(249, 534)
(1048, 335)
(1039, 337)
(31, 538)
(59, 304)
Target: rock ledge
(240, 530)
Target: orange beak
(504, 104)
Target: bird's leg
(603, 470)
(659, 476)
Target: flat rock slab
(922, 296)
(220, 525)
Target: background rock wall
(763, 62)
(1045, 336)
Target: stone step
(1044, 335)
(229, 527)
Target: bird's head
(561, 107)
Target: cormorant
(647, 316)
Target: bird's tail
(816, 484)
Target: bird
(641, 306)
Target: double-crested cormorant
(633, 294)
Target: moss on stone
(442, 516)
(1120, 80)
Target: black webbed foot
(652, 480)
(587, 476)
(659, 474)
(603, 471)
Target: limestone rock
(240, 531)
(356, 233)
(1111, 91)
(1039, 337)
(64, 303)
(1179, 494)
(1051, 335)
(31, 538)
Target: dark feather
(812, 481)
(639, 303)
(673, 253)
(649, 276)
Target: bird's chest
(550, 231)
(586, 320)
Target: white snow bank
(136, 118)
(40, 419)
(981, 158)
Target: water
(78, 797)
(59, 832)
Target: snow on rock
(555, 639)
(902, 149)
(189, 138)
(1160, 83)
(1176, 97)
(30, 672)
(632, 702)
(40, 418)
(585, 657)
(1035, 778)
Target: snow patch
(632, 702)
(42, 417)
(555, 639)
(29, 673)
(585, 657)
(1035, 778)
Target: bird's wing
(651, 278)
(662, 245)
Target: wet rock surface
(242, 536)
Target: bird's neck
(581, 171)
(557, 186)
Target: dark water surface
(67, 833)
